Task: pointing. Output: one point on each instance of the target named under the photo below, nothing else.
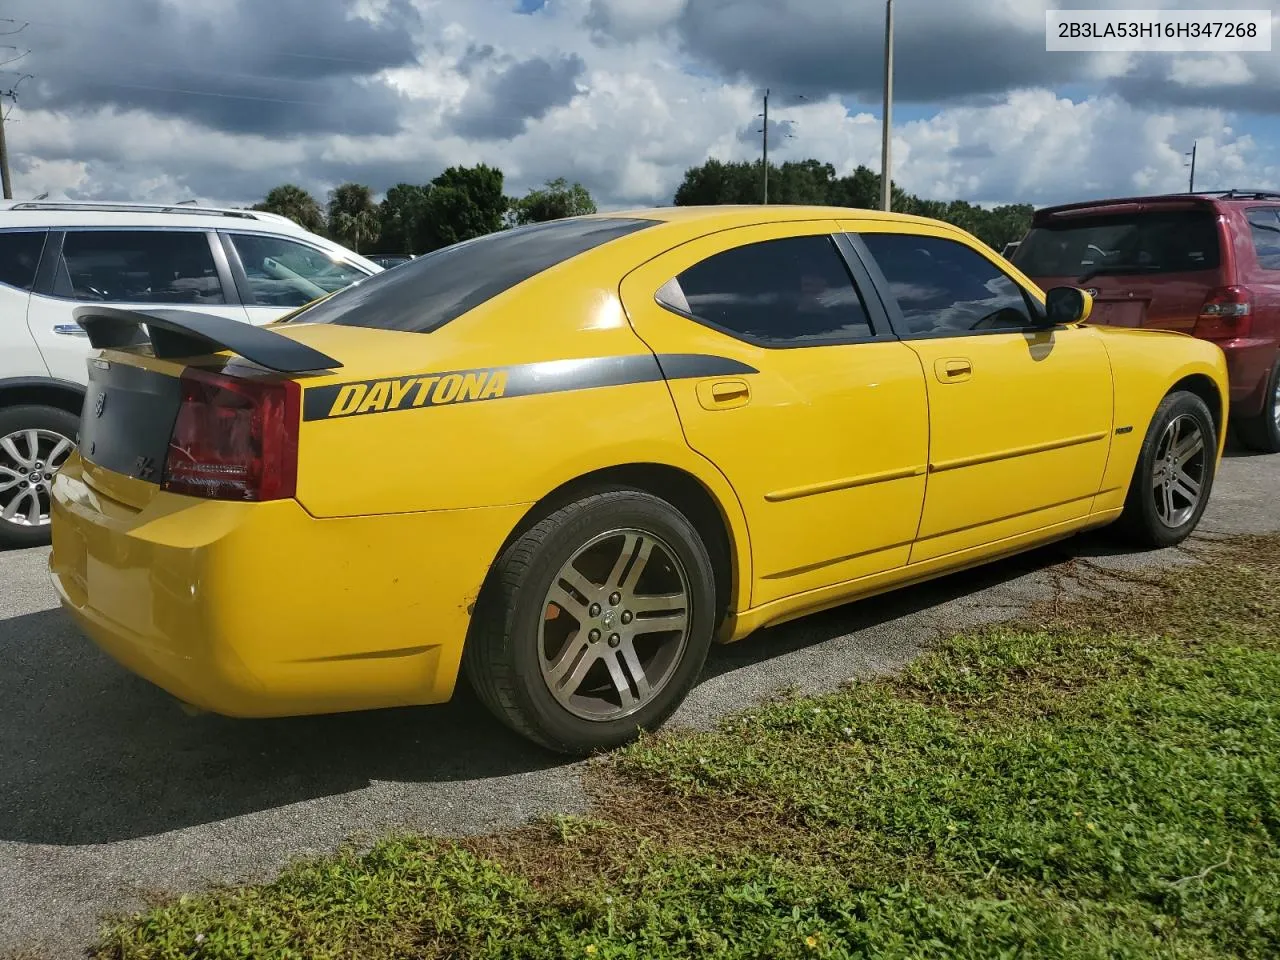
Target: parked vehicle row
(1204, 264)
(239, 264)
(599, 444)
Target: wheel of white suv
(34, 442)
(1262, 433)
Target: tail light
(1227, 313)
(234, 439)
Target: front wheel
(595, 623)
(34, 442)
(1174, 474)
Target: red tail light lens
(234, 439)
(1227, 313)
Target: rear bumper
(258, 610)
(1249, 364)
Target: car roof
(1206, 198)
(58, 213)
(730, 215)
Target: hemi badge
(1123, 430)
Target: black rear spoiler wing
(178, 333)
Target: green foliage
(816, 183)
(400, 218)
(1102, 785)
(353, 220)
(292, 201)
(554, 201)
(462, 203)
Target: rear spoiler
(178, 333)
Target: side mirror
(1067, 305)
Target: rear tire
(1262, 433)
(24, 501)
(565, 623)
(1174, 475)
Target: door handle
(953, 369)
(723, 394)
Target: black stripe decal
(419, 391)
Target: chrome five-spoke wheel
(1178, 477)
(615, 626)
(28, 460)
(595, 621)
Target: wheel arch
(1203, 386)
(42, 391)
(719, 523)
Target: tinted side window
(20, 256)
(1265, 224)
(138, 266)
(426, 293)
(946, 288)
(282, 273)
(777, 292)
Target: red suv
(1207, 264)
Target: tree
(461, 203)
(400, 218)
(292, 201)
(813, 182)
(554, 201)
(353, 220)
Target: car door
(277, 275)
(128, 268)
(1020, 419)
(819, 418)
(20, 252)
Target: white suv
(244, 264)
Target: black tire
(1141, 522)
(1262, 433)
(22, 418)
(501, 658)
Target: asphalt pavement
(109, 793)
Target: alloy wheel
(28, 461)
(1181, 469)
(615, 624)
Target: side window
(787, 292)
(20, 256)
(946, 288)
(1265, 225)
(282, 273)
(138, 266)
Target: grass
(1102, 780)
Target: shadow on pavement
(91, 754)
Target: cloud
(282, 67)
(502, 104)
(621, 95)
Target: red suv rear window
(1173, 241)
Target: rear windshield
(426, 293)
(1176, 241)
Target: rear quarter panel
(1146, 366)
(499, 448)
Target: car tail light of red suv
(1227, 313)
(234, 438)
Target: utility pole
(886, 148)
(4, 158)
(765, 130)
(1191, 188)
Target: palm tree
(292, 201)
(353, 219)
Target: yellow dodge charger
(564, 458)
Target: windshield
(1158, 242)
(429, 291)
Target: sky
(219, 100)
